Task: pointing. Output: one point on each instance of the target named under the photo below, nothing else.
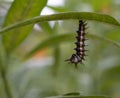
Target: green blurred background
(46, 73)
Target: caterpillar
(79, 56)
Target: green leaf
(73, 94)
(20, 10)
(104, 39)
(57, 9)
(46, 27)
(62, 16)
(79, 97)
(55, 40)
(51, 41)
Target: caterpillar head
(75, 59)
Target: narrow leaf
(73, 94)
(51, 41)
(63, 16)
(46, 27)
(55, 40)
(79, 97)
(91, 36)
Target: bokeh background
(47, 74)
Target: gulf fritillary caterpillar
(78, 57)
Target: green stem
(63, 16)
(57, 60)
(6, 84)
(3, 72)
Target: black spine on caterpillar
(78, 57)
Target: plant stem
(57, 59)
(6, 84)
(4, 70)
